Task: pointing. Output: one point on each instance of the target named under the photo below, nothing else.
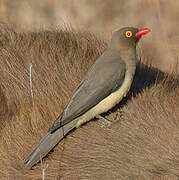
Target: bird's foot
(118, 115)
(107, 121)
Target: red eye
(128, 34)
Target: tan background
(103, 17)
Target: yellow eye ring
(128, 34)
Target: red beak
(142, 32)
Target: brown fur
(143, 144)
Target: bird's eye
(128, 34)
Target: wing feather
(101, 80)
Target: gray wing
(103, 78)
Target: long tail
(47, 143)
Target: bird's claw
(107, 121)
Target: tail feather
(30, 155)
(47, 143)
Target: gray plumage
(105, 84)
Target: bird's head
(127, 37)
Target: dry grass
(143, 144)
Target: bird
(105, 84)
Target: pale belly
(106, 103)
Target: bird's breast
(107, 103)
